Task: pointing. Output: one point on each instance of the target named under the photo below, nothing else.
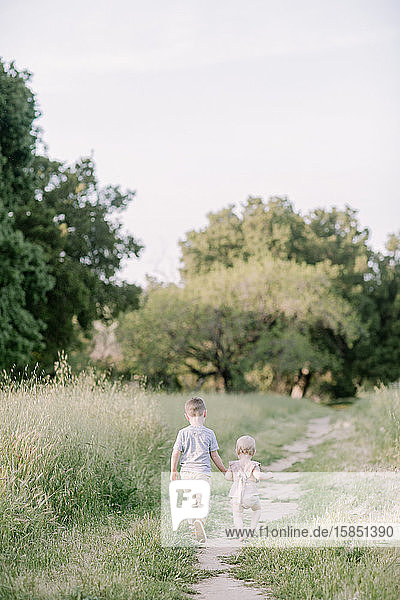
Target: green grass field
(367, 438)
(79, 490)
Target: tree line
(269, 298)
(272, 299)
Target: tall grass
(73, 450)
(120, 559)
(80, 462)
(377, 419)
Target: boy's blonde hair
(246, 445)
(195, 407)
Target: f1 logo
(189, 499)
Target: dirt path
(223, 584)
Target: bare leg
(237, 511)
(255, 517)
(255, 514)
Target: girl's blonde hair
(246, 445)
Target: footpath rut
(223, 584)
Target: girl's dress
(244, 490)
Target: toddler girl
(245, 474)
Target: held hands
(228, 475)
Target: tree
(377, 352)
(59, 230)
(220, 242)
(24, 280)
(78, 226)
(151, 337)
(24, 274)
(332, 236)
(216, 324)
(275, 228)
(18, 137)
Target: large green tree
(216, 324)
(24, 274)
(62, 240)
(78, 225)
(367, 280)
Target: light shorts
(195, 475)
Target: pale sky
(199, 104)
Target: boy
(197, 444)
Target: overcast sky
(198, 104)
